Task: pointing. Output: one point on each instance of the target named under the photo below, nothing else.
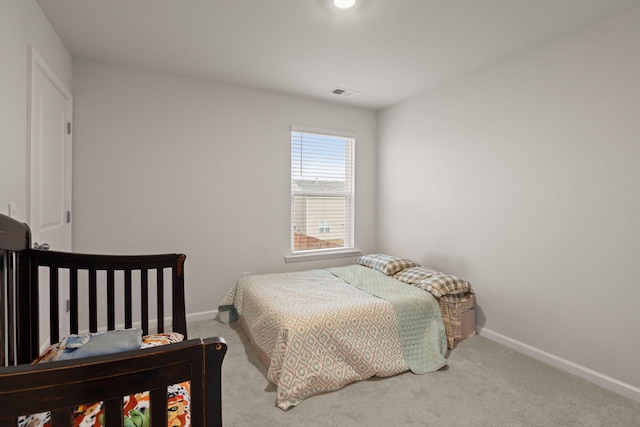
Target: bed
(109, 297)
(319, 330)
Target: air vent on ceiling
(344, 92)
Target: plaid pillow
(386, 264)
(413, 275)
(443, 284)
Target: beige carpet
(486, 384)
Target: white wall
(170, 164)
(523, 178)
(22, 23)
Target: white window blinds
(322, 190)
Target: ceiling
(386, 50)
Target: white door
(50, 107)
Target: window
(322, 190)
(324, 227)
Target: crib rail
(58, 387)
(90, 273)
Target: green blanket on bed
(422, 333)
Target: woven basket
(459, 316)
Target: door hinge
(68, 305)
(68, 128)
(68, 217)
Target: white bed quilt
(319, 332)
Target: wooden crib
(105, 293)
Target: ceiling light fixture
(344, 4)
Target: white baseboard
(44, 345)
(203, 315)
(598, 378)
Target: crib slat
(160, 299)
(73, 298)
(111, 301)
(113, 413)
(3, 327)
(144, 291)
(11, 311)
(54, 304)
(128, 306)
(158, 406)
(62, 417)
(27, 342)
(178, 303)
(93, 300)
(7, 309)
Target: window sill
(314, 256)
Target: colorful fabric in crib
(135, 407)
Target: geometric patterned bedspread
(422, 333)
(319, 332)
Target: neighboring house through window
(322, 190)
(324, 227)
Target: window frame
(349, 248)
